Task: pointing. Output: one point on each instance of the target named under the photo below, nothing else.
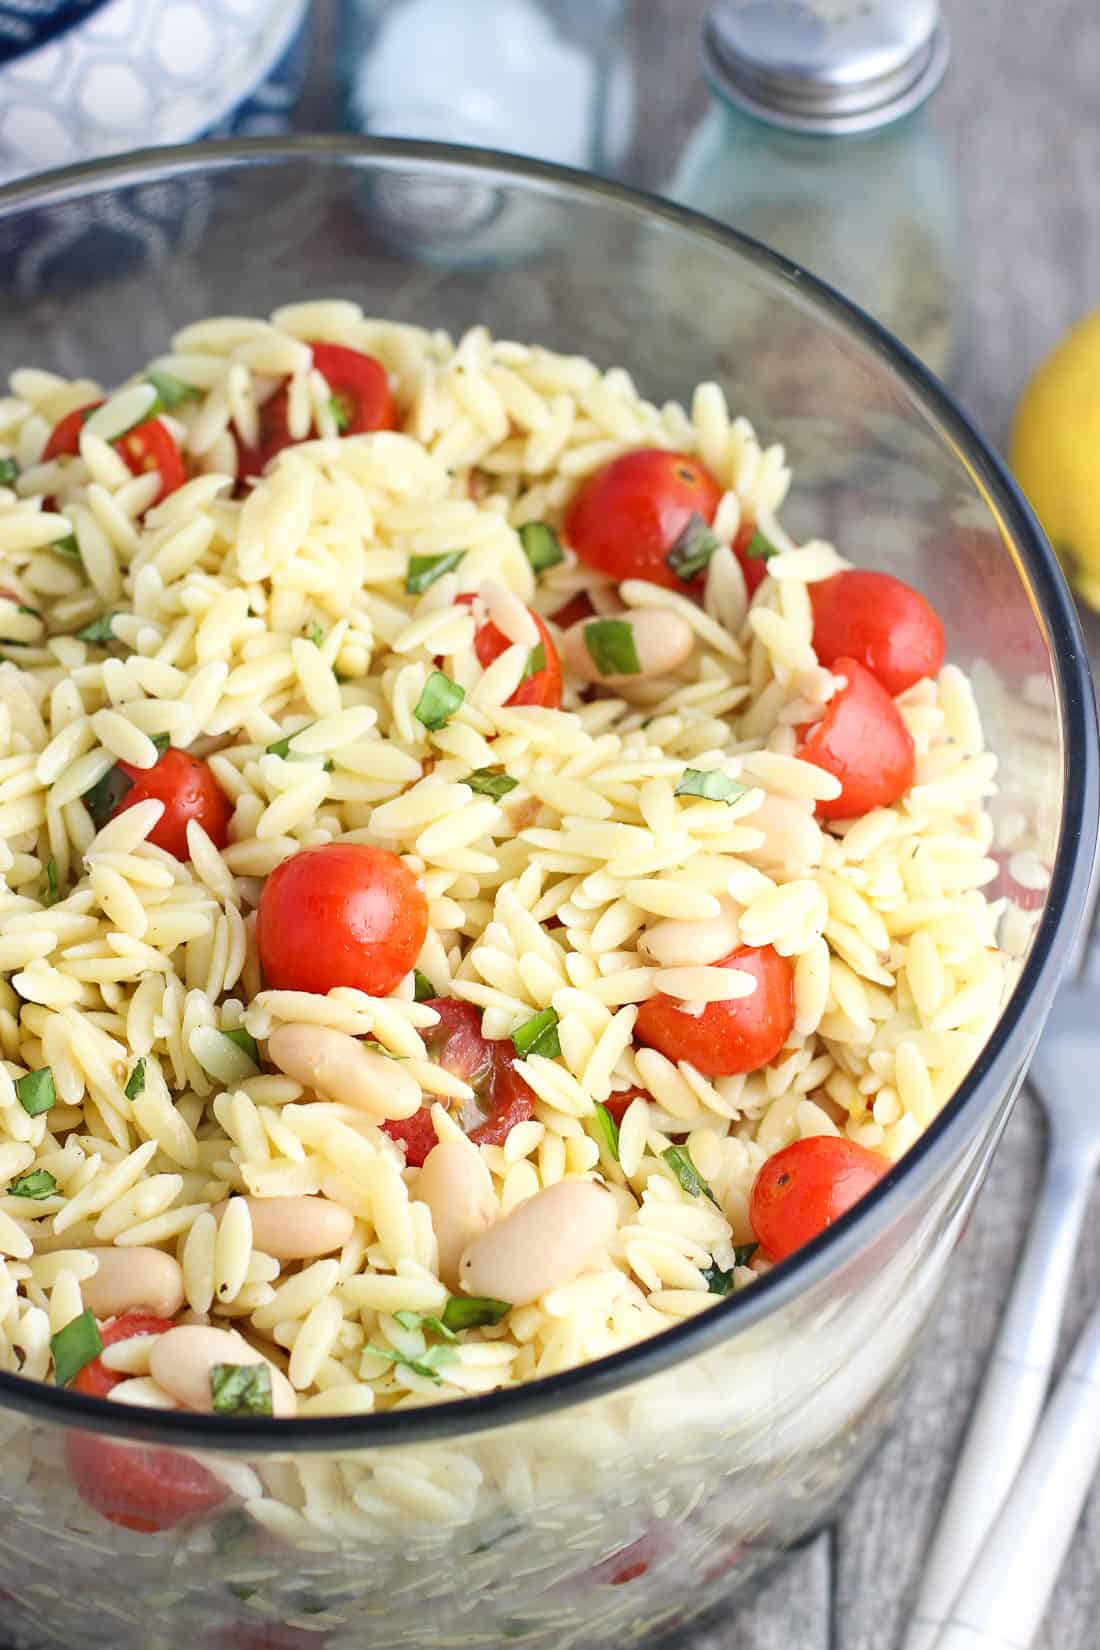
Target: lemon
(1055, 452)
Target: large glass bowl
(617, 1503)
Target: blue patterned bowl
(28, 24)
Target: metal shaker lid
(826, 66)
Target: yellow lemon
(1055, 452)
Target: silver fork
(1064, 1073)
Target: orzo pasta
(453, 839)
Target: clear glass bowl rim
(1021, 1020)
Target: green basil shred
(709, 783)
(538, 1035)
(9, 470)
(340, 415)
(424, 570)
(241, 1389)
(427, 1364)
(488, 782)
(760, 548)
(316, 634)
(536, 661)
(54, 891)
(423, 989)
(692, 550)
(170, 391)
(245, 1041)
(135, 1083)
(67, 547)
(608, 1129)
(38, 1184)
(438, 701)
(611, 647)
(75, 1346)
(36, 1092)
(473, 1311)
(718, 1282)
(679, 1161)
(105, 795)
(541, 545)
(99, 631)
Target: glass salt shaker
(818, 144)
(547, 78)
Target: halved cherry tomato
(342, 913)
(617, 1104)
(739, 1035)
(627, 516)
(145, 448)
(457, 1044)
(361, 396)
(862, 740)
(885, 624)
(805, 1187)
(130, 1484)
(543, 686)
(578, 607)
(188, 789)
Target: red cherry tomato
(578, 607)
(188, 789)
(617, 1104)
(885, 624)
(543, 686)
(361, 393)
(141, 1488)
(740, 1035)
(145, 448)
(457, 1044)
(807, 1186)
(627, 516)
(340, 914)
(862, 740)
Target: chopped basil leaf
(536, 661)
(67, 547)
(760, 548)
(245, 1041)
(743, 1253)
(135, 1083)
(709, 783)
(99, 631)
(340, 415)
(38, 1184)
(36, 1092)
(423, 989)
(488, 782)
(610, 644)
(241, 1389)
(417, 1320)
(428, 1364)
(718, 1282)
(241, 1590)
(105, 795)
(53, 887)
(438, 701)
(161, 741)
(75, 1346)
(170, 391)
(538, 1035)
(692, 550)
(424, 570)
(608, 1129)
(541, 545)
(21, 607)
(9, 469)
(679, 1161)
(316, 634)
(280, 747)
(472, 1311)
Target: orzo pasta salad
(476, 892)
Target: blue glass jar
(819, 144)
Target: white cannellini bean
(129, 1279)
(339, 1067)
(458, 1189)
(675, 943)
(296, 1228)
(541, 1244)
(662, 641)
(182, 1359)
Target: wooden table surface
(1020, 112)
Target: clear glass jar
(876, 214)
(547, 78)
